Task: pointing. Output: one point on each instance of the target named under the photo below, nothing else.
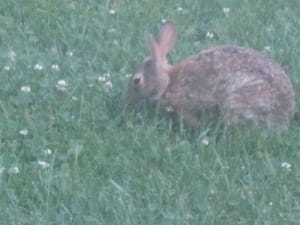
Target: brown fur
(237, 81)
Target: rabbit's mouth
(149, 95)
(139, 98)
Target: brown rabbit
(237, 81)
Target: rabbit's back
(240, 82)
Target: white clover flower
(112, 12)
(13, 170)
(69, 53)
(226, 10)
(61, 85)
(112, 30)
(128, 75)
(74, 99)
(43, 164)
(12, 55)
(287, 166)
(179, 9)
(104, 77)
(38, 67)
(2, 169)
(267, 48)
(6, 68)
(23, 132)
(205, 141)
(101, 78)
(169, 109)
(107, 86)
(209, 35)
(55, 67)
(163, 21)
(26, 89)
(116, 43)
(47, 151)
(212, 191)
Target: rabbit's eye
(136, 81)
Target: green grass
(111, 165)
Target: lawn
(71, 153)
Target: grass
(63, 74)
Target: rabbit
(236, 82)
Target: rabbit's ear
(155, 51)
(161, 45)
(166, 38)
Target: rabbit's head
(151, 77)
